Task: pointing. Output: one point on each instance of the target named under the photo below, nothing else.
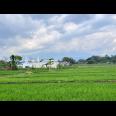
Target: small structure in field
(28, 72)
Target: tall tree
(13, 62)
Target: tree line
(99, 59)
(92, 60)
(15, 59)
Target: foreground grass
(51, 91)
(58, 92)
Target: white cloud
(55, 34)
(70, 26)
(96, 43)
(17, 24)
(58, 19)
(37, 41)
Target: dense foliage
(98, 59)
(69, 59)
(93, 60)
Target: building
(54, 65)
(24, 64)
(42, 64)
(64, 63)
(38, 64)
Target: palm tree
(13, 62)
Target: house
(54, 65)
(24, 64)
(39, 64)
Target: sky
(57, 35)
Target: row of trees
(15, 59)
(92, 60)
(99, 59)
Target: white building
(24, 64)
(64, 63)
(42, 64)
(38, 64)
(54, 65)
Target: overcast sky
(57, 35)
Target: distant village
(42, 64)
(15, 62)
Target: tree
(106, 59)
(14, 61)
(113, 58)
(18, 59)
(2, 62)
(81, 61)
(94, 59)
(69, 59)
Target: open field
(81, 82)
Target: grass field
(80, 83)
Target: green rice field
(75, 83)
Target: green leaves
(14, 61)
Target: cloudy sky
(57, 35)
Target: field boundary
(61, 81)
